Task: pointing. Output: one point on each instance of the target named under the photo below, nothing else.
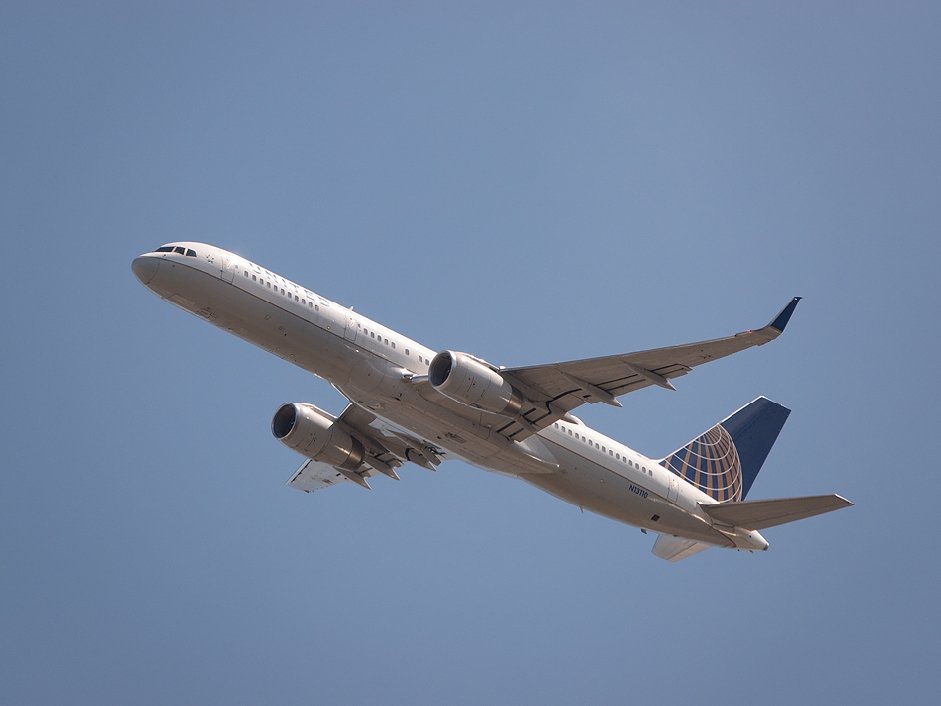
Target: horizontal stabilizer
(759, 514)
(675, 548)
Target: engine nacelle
(465, 379)
(305, 429)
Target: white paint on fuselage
(371, 364)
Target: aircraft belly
(457, 436)
(548, 466)
(593, 487)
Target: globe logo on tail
(711, 463)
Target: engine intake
(305, 429)
(465, 379)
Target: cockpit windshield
(188, 252)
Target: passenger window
(253, 278)
(406, 352)
(393, 345)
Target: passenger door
(674, 490)
(350, 330)
(229, 266)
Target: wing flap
(313, 476)
(760, 514)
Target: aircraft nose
(145, 268)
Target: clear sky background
(529, 182)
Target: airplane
(407, 403)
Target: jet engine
(309, 431)
(470, 381)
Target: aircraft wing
(383, 453)
(565, 386)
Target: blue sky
(528, 182)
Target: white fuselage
(373, 365)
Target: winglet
(780, 321)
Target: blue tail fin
(724, 461)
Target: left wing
(383, 453)
(558, 388)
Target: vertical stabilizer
(724, 461)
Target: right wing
(385, 450)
